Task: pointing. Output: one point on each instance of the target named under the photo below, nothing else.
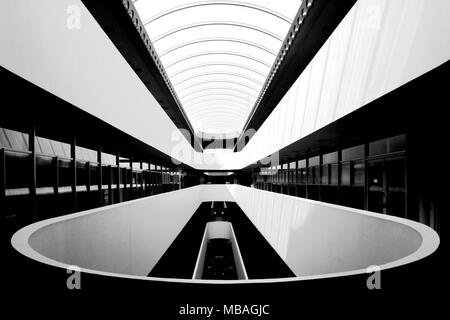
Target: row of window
(324, 169)
(370, 177)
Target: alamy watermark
(374, 280)
(74, 280)
(73, 21)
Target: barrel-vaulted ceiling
(217, 54)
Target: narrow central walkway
(180, 258)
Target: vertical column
(339, 176)
(366, 177)
(320, 176)
(125, 184)
(99, 176)
(162, 179)
(296, 178)
(73, 155)
(149, 181)
(111, 174)
(2, 179)
(118, 193)
(88, 180)
(131, 191)
(33, 180)
(56, 184)
(141, 180)
(308, 174)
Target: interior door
(387, 186)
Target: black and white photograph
(224, 159)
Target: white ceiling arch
(222, 81)
(217, 54)
(227, 65)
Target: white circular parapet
(315, 239)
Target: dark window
(330, 158)
(334, 174)
(378, 147)
(358, 173)
(353, 153)
(397, 143)
(325, 174)
(345, 173)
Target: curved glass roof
(217, 54)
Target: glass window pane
(353, 153)
(310, 175)
(397, 143)
(378, 147)
(330, 157)
(359, 177)
(334, 174)
(314, 161)
(302, 163)
(317, 175)
(345, 174)
(325, 174)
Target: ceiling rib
(217, 23)
(218, 73)
(217, 39)
(228, 53)
(217, 81)
(218, 94)
(222, 3)
(217, 88)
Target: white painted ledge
(315, 239)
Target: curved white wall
(127, 238)
(315, 239)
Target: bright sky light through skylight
(217, 54)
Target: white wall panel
(379, 46)
(314, 90)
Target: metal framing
(33, 169)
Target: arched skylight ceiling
(217, 54)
